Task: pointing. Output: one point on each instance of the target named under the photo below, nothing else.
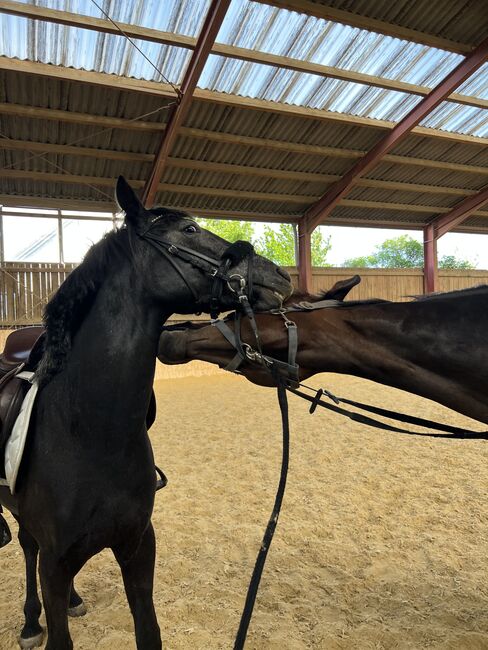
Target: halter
(217, 269)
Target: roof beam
(321, 210)
(230, 51)
(371, 24)
(74, 179)
(226, 168)
(11, 200)
(164, 90)
(101, 121)
(208, 34)
(459, 213)
(33, 112)
(87, 76)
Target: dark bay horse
(87, 480)
(434, 346)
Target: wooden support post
(304, 258)
(430, 260)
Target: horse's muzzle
(172, 347)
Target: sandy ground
(381, 544)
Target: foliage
(279, 246)
(276, 244)
(401, 253)
(230, 230)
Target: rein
(286, 377)
(288, 372)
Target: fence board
(25, 288)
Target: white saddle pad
(14, 448)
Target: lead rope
(270, 528)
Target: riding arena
(209, 438)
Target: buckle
(173, 249)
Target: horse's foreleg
(56, 582)
(138, 576)
(32, 633)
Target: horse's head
(197, 267)
(184, 342)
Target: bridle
(286, 372)
(218, 269)
(281, 371)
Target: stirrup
(162, 480)
(5, 534)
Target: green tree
(279, 245)
(230, 230)
(401, 253)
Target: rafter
(208, 34)
(227, 168)
(292, 199)
(87, 76)
(459, 213)
(108, 206)
(166, 91)
(229, 138)
(320, 211)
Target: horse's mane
(70, 304)
(481, 289)
(300, 296)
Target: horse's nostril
(284, 273)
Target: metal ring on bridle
(242, 282)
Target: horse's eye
(191, 229)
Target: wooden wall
(391, 284)
(25, 288)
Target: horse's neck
(400, 346)
(110, 369)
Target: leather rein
(288, 373)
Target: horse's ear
(340, 289)
(129, 203)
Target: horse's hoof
(77, 610)
(32, 641)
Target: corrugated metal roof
(259, 27)
(463, 21)
(263, 28)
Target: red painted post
(430, 260)
(304, 259)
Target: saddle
(22, 352)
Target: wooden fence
(391, 284)
(25, 288)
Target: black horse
(87, 480)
